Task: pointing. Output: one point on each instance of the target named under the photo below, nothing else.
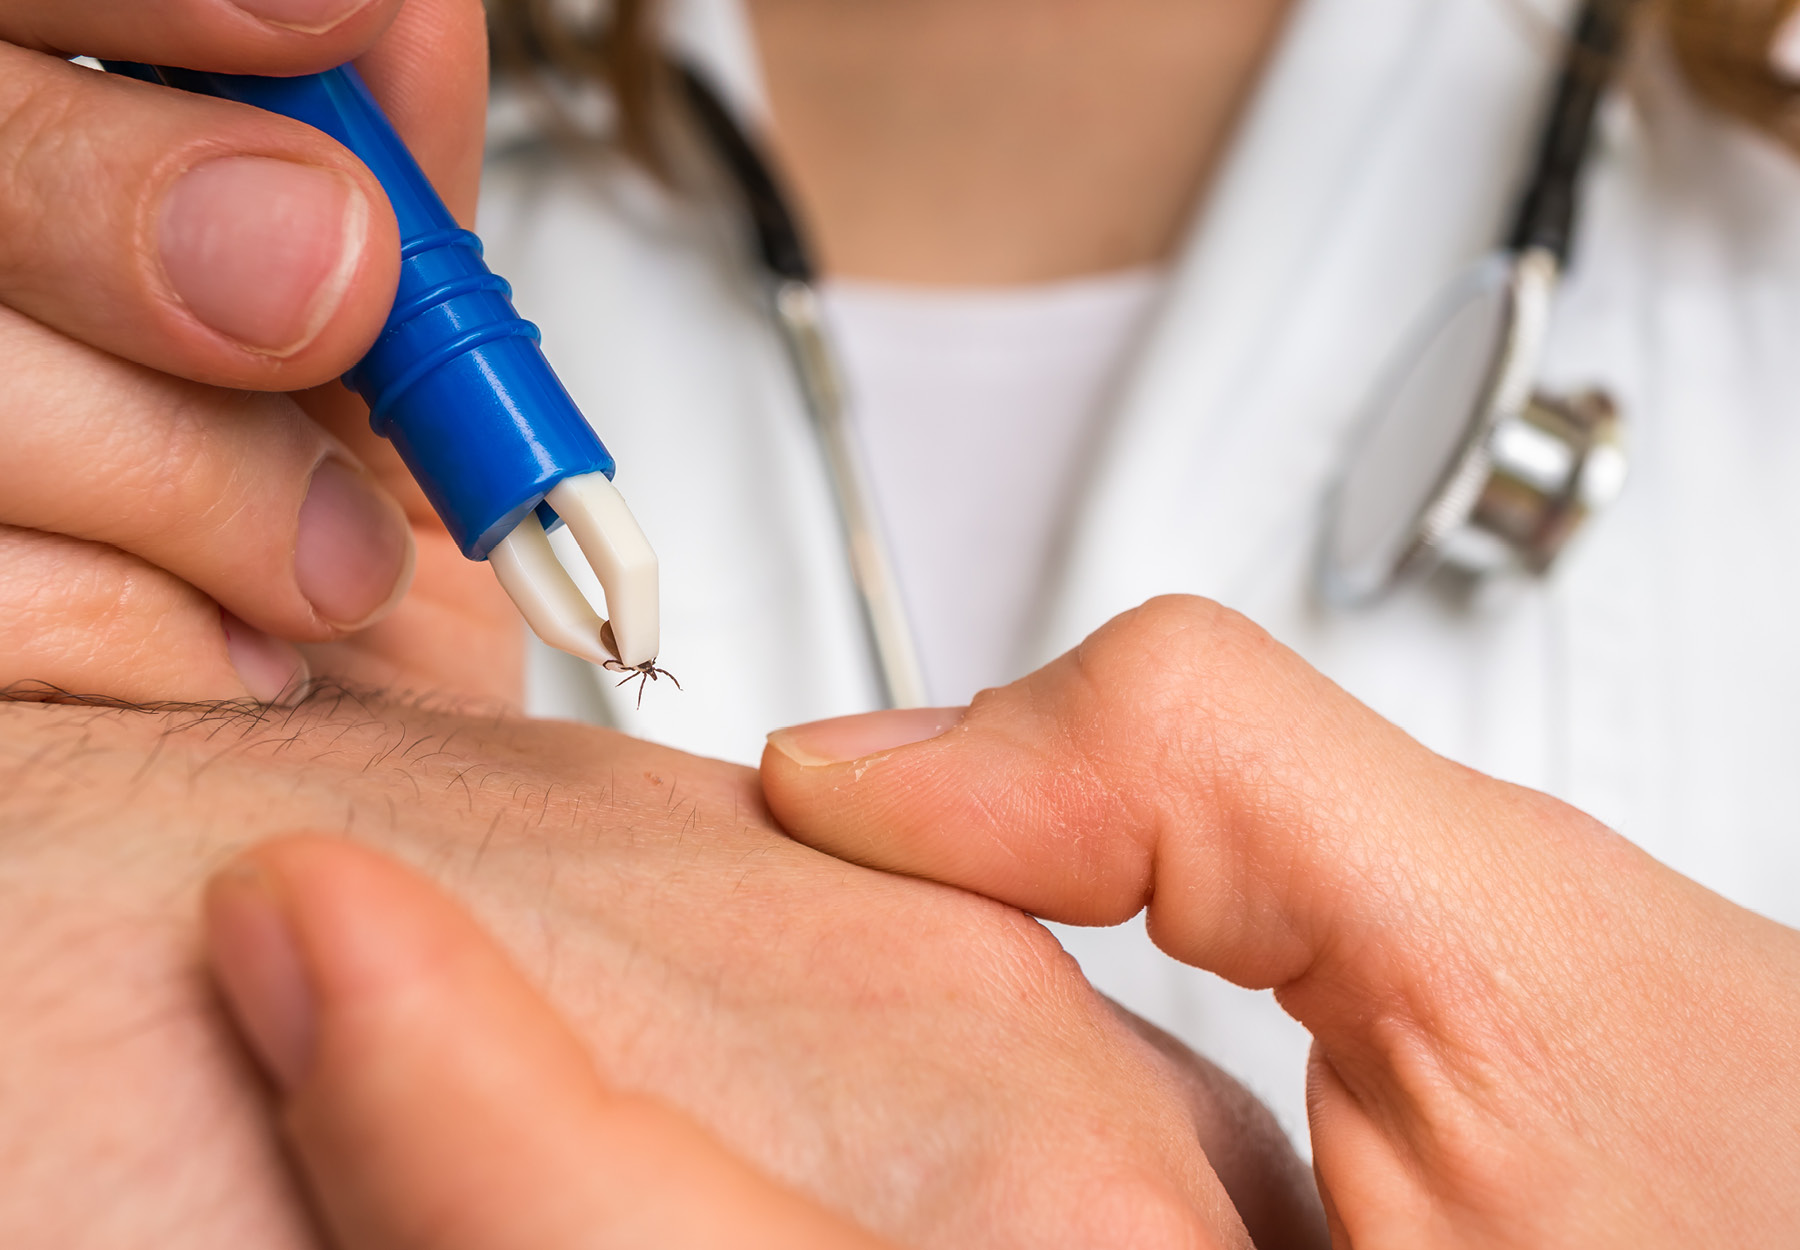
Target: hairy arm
(924, 1061)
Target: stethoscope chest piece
(1459, 462)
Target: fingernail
(262, 250)
(268, 667)
(853, 737)
(256, 961)
(353, 555)
(310, 17)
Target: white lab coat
(1653, 680)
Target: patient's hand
(925, 1062)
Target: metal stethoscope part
(1466, 466)
(1460, 462)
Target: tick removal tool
(458, 383)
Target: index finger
(226, 36)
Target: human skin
(1527, 1033)
(171, 415)
(1007, 142)
(434, 1101)
(182, 281)
(919, 1060)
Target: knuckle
(184, 473)
(1172, 636)
(73, 607)
(43, 148)
(1155, 659)
(1029, 956)
(1004, 953)
(105, 448)
(1183, 658)
(1185, 695)
(1184, 630)
(209, 469)
(105, 594)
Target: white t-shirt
(976, 410)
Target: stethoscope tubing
(792, 283)
(1545, 218)
(1542, 229)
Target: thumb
(1178, 759)
(1523, 1024)
(435, 1101)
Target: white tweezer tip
(621, 557)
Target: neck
(1002, 142)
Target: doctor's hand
(434, 1100)
(187, 492)
(1526, 1032)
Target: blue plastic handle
(457, 380)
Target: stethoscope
(1458, 460)
(791, 282)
